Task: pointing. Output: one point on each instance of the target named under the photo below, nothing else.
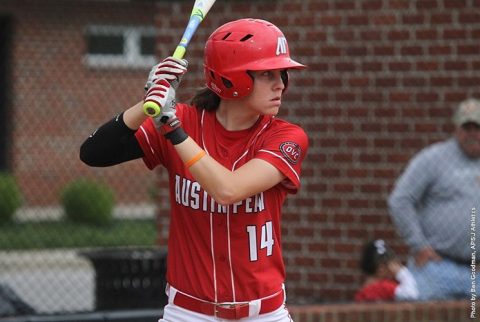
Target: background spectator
(433, 207)
(387, 279)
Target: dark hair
(374, 253)
(205, 99)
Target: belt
(228, 311)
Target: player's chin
(272, 109)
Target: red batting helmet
(240, 46)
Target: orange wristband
(195, 159)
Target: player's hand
(394, 266)
(171, 69)
(426, 254)
(163, 94)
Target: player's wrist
(177, 136)
(173, 131)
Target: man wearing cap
(434, 206)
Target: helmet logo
(281, 46)
(215, 87)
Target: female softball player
(231, 164)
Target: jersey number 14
(266, 240)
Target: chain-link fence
(72, 235)
(67, 68)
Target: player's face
(266, 96)
(468, 136)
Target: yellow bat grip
(179, 52)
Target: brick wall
(57, 100)
(383, 80)
(445, 311)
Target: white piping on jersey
(235, 163)
(248, 148)
(228, 212)
(201, 131)
(211, 223)
(232, 279)
(274, 154)
(213, 258)
(230, 255)
(148, 141)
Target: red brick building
(383, 80)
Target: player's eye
(270, 74)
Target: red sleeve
(153, 144)
(285, 148)
(150, 142)
(383, 290)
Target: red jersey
(382, 290)
(226, 253)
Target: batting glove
(171, 69)
(163, 94)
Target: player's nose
(278, 81)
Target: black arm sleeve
(113, 143)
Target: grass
(61, 234)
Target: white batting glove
(163, 94)
(172, 69)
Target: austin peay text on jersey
(189, 194)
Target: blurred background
(383, 81)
